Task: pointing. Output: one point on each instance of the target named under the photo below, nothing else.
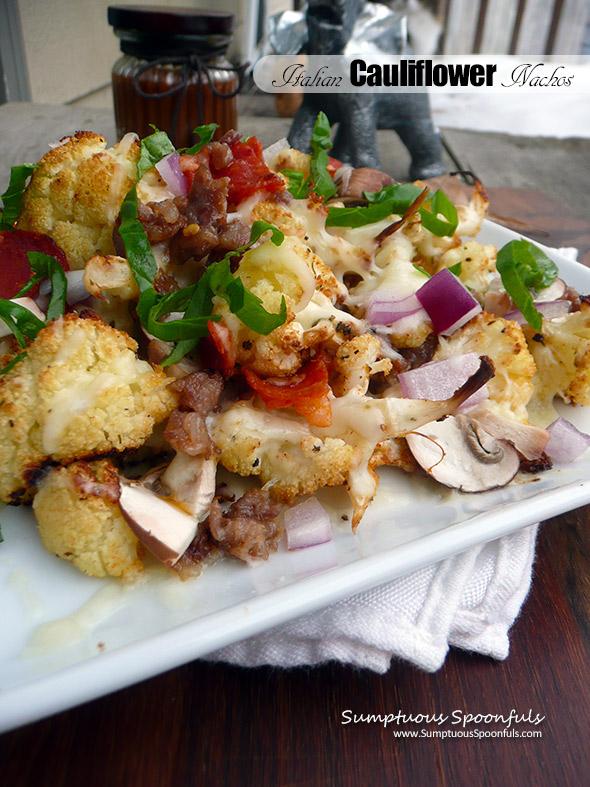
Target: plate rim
(104, 673)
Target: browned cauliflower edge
(562, 356)
(503, 341)
(80, 520)
(76, 193)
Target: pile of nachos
(276, 313)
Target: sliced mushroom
(554, 292)
(164, 529)
(459, 454)
(191, 481)
(353, 183)
(529, 440)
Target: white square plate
(67, 638)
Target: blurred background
(62, 51)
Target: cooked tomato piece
(224, 360)
(189, 164)
(247, 172)
(333, 165)
(15, 270)
(307, 391)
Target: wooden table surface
(212, 724)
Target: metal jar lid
(154, 31)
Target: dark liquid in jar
(134, 112)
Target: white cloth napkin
(469, 601)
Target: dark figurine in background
(359, 115)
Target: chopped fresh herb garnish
(11, 364)
(401, 195)
(323, 184)
(298, 185)
(456, 268)
(439, 204)
(422, 271)
(137, 246)
(196, 301)
(396, 200)
(258, 229)
(12, 199)
(319, 178)
(358, 216)
(153, 149)
(44, 266)
(22, 323)
(205, 135)
(523, 267)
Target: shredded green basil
(153, 149)
(195, 302)
(359, 216)
(11, 364)
(524, 267)
(137, 246)
(400, 195)
(44, 266)
(22, 323)
(395, 200)
(323, 183)
(421, 270)
(12, 199)
(439, 204)
(205, 135)
(298, 186)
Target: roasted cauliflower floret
(563, 364)
(76, 194)
(478, 265)
(281, 450)
(80, 391)
(292, 159)
(80, 520)
(272, 272)
(356, 361)
(306, 219)
(503, 341)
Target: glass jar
(173, 72)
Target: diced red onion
(385, 310)
(566, 443)
(438, 380)
(478, 397)
(448, 302)
(530, 440)
(169, 169)
(551, 310)
(307, 524)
